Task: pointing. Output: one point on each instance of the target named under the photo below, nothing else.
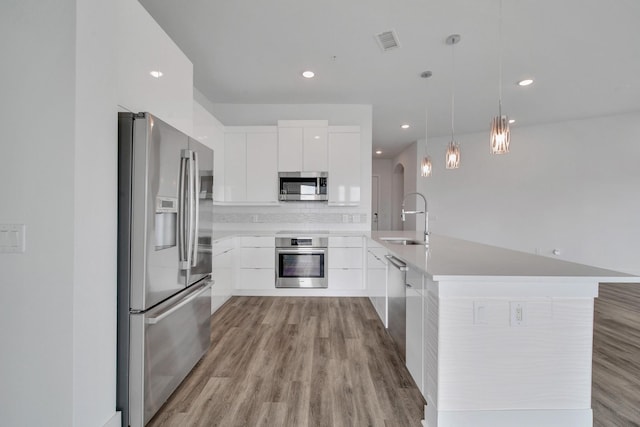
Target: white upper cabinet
(250, 169)
(344, 166)
(209, 131)
(235, 171)
(302, 146)
(314, 149)
(289, 149)
(262, 174)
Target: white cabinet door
(257, 241)
(235, 171)
(314, 152)
(223, 278)
(345, 241)
(257, 258)
(256, 278)
(377, 284)
(346, 278)
(345, 258)
(414, 325)
(290, 149)
(344, 169)
(261, 167)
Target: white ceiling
(583, 54)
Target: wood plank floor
(616, 356)
(296, 362)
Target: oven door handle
(301, 251)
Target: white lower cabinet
(345, 263)
(256, 278)
(256, 263)
(222, 274)
(377, 279)
(415, 326)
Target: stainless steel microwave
(303, 186)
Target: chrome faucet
(425, 212)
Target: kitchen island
(506, 335)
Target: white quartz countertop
(451, 257)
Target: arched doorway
(397, 192)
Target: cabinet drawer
(345, 278)
(345, 241)
(257, 258)
(345, 258)
(256, 278)
(223, 260)
(221, 246)
(375, 262)
(258, 241)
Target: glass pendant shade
(452, 157)
(425, 168)
(500, 135)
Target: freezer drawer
(166, 343)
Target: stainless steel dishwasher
(397, 302)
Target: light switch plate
(12, 238)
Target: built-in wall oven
(301, 262)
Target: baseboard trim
(115, 420)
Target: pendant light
(426, 167)
(452, 156)
(500, 134)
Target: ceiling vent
(388, 40)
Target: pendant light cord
(500, 59)
(453, 82)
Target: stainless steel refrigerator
(165, 211)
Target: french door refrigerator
(165, 211)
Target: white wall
(58, 168)
(269, 114)
(571, 186)
(95, 221)
(143, 46)
(382, 168)
(37, 162)
(407, 159)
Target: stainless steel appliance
(165, 213)
(303, 186)
(397, 302)
(301, 262)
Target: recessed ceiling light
(156, 74)
(316, 137)
(308, 74)
(512, 121)
(405, 126)
(378, 152)
(525, 82)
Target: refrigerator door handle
(152, 320)
(196, 208)
(184, 212)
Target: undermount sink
(402, 241)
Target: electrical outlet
(12, 238)
(345, 218)
(254, 218)
(518, 313)
(355, 218)
(480, 313)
